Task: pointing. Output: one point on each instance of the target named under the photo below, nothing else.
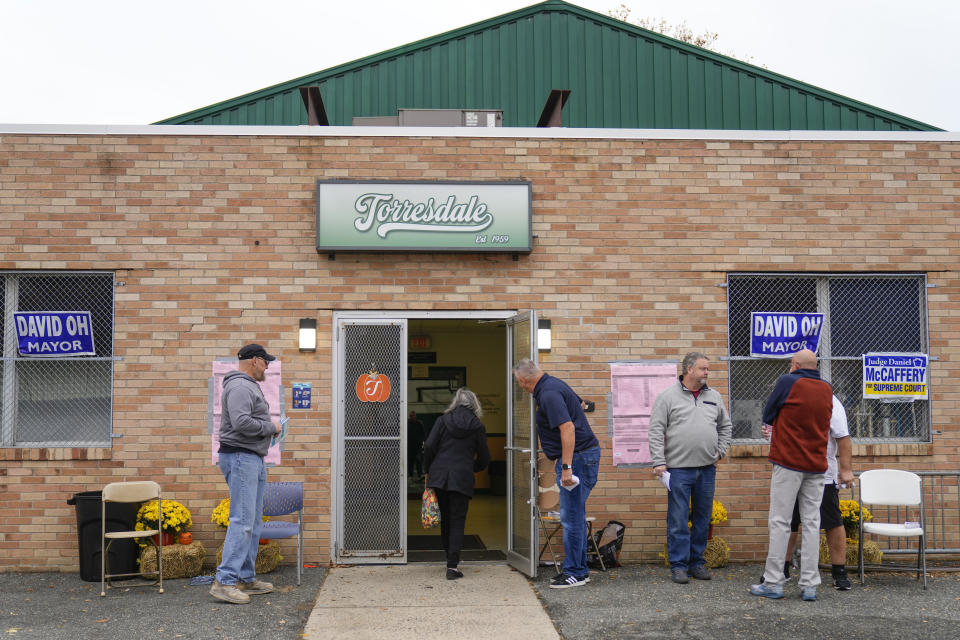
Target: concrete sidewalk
(416, 601)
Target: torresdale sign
(423, 216)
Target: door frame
(337, 389)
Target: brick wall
(213, 240)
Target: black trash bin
(120, 517)
(498, 477)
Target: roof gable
(620, 76)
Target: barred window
(861, 314)
(56, 401)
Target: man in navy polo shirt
(567, 439)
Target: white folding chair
(139, 491)
(892, 487)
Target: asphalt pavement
(640, 601)
(626, 603)
(60, 606)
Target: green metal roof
(620, 76)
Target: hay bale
(268, 557)
(717, 553)
(871, 552)
(179, 560)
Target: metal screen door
(371, 487)
(521, 448)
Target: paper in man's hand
(277, 437)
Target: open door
(521, 450)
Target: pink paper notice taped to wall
(271, 391)
(634, 387)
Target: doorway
(442, 356)
(387, 364)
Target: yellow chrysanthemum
(176, 517)
(221, 514)
(850, 512)
(719, 514)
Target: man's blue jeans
(690, 499)
(246, 477)
(573, 511)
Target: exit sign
(419, 342)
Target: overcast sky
(137, 61)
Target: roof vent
(435, 118)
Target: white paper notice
(634, 387)
(665, 480)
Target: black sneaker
(563, 581)
(454, 574)
(786, 573)
(842, 582)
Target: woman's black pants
(453, 518)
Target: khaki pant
(786, 488)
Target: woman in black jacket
(454, 451)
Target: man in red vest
(799, 412)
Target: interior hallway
(486, 518)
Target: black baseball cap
(254, 351)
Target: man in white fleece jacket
(689, 431)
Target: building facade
(184, 243)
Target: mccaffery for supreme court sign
(375, 215)
(895, 375)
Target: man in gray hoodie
(690, 431)
(245, 433)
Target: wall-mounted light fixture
(543, 334)
(308, 334)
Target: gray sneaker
(774, 592)
(255, 588)
(229, 593)
(700, 572)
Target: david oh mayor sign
(54, 333)
(780, 334)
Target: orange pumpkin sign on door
(373, 387)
